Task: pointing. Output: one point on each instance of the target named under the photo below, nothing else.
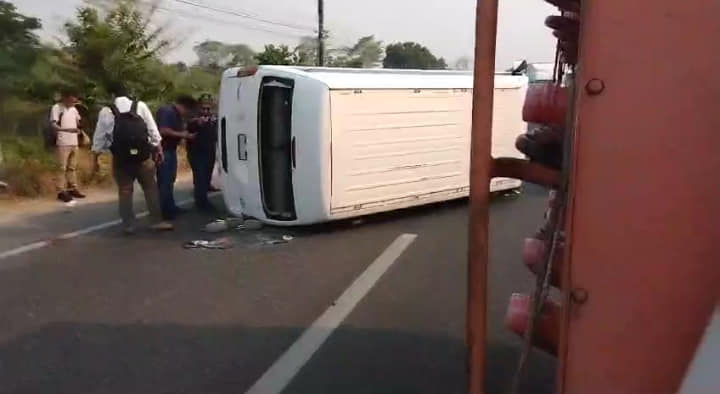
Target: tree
(463, 63)
(242, 55)
(412, 55)
(30, 73)
(219, 55)
(212, 54)
(120, 48)
(18, 48)
(367, 52)
(276, 55)
(306, 52)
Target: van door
(276, 148)
(232, 152)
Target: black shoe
(75, 193)
(64, 197)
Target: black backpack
(131, 140)
(49, 133)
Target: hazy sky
(444, 26)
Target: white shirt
(70, 120)
(103, 137)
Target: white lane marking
(289, 364)
(702, 376)
(102, 226)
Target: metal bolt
(579, 296)
(595, 86)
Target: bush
(29, 169)
(26, 166)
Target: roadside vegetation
(106, 42)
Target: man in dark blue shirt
(201, 152)
(171, 122)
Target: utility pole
(321, 34)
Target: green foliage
(106, 47)
(218, 55)
(367, 52)
(18, 48)
(412, 55)
(28, 167)
(306, 53)
(26, 70)
(276, 55)
(120, 48)
(464, 63)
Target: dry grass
(29, 169)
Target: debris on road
(265, 240)
(251, 224)
(512, 193)
(275, 241)
(220, 243)
(217, 226)
(221, 225)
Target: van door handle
(292, 152)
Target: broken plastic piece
(220, 243)
(250, 224)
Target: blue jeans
(166, 175)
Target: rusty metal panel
(644, 222)
(480, 160)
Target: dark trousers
(125, 177)
(202, 163)
(166, 175)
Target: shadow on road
(130, 359)
(97, 358)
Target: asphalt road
(103, 313)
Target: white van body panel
(365, 141)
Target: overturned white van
(307, 145)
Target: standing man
(65, 122)
(172, 128)
(128, 130)
(201, 152)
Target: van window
(275, 148)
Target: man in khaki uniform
(65, 121)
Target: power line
(246, 15)
(187, 15)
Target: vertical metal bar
(321, 34)
(480, 163)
